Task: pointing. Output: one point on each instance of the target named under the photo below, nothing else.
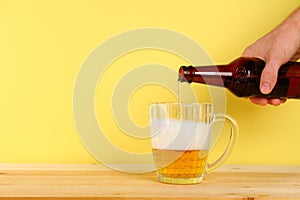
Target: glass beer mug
(180, 137)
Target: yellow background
(44, 43)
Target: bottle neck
(210, 75)
(226, 74)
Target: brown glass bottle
(242, 77)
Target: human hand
(276, 48)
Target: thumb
(269, 77)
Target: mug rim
(180, 103)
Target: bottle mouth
(181, 74)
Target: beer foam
(171, 134)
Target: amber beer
(180, 163)
(242, 77)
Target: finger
(274, 102)
(259, 101)
(283, 100)
(269, 77)
(264, 101)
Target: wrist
(293, 21)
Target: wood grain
(98, 182)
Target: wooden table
(98, 182)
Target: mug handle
(232, 140)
